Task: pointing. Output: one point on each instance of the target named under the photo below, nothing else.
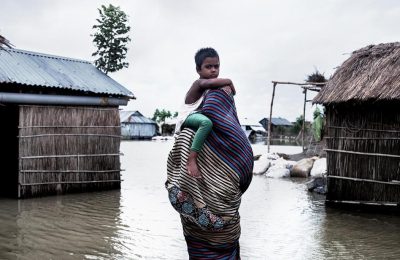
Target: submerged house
(252, 128)
(279, 125)
(168, 127)
(136, 126)
(362, 101)
(61, 128)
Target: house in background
(61, 129)
(136, 126)
(252, 128)
(279, 126)
(168, 127)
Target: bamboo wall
(363, 153)
(67, 149)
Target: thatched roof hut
(61, 129)
(362, 101)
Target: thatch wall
(68, 149)
(363, 152)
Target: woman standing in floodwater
(209, 206)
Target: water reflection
(279, 221)
(357, 235)
(69, 227)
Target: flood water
(279, 218)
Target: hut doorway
(9, 150)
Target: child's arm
(200, 85)
(215, 83)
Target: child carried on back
(207, 66)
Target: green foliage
(111, 39)
(318, 124)
(160, 115)
(298, 125)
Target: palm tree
(4, 42)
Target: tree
(160, 115)
(318, 124)
(298, 125)
(111, 39)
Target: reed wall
(363, 152)
(68, 149)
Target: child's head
(207, 63)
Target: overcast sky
(258, 41)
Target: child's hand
(233, 89)
(229, 89)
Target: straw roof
(370, 74)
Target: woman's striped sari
(209, 206)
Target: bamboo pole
(64, 126)
(393, 182)
(270, 115)
(304, 119)
(361, 153)
(70, 171)
(67, 182)
(363, 129)
(300, 84)
(363, 138)
(69, 155)
(71, 107)
(392, 204)
(46, 135)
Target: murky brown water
(280, 220)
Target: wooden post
(270, 115)
(304, 119)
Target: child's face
(210, 68)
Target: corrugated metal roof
(134, 117)
(44, 70)
(276, 121)
(258, 128)
(280, 121)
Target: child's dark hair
(202, 54)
